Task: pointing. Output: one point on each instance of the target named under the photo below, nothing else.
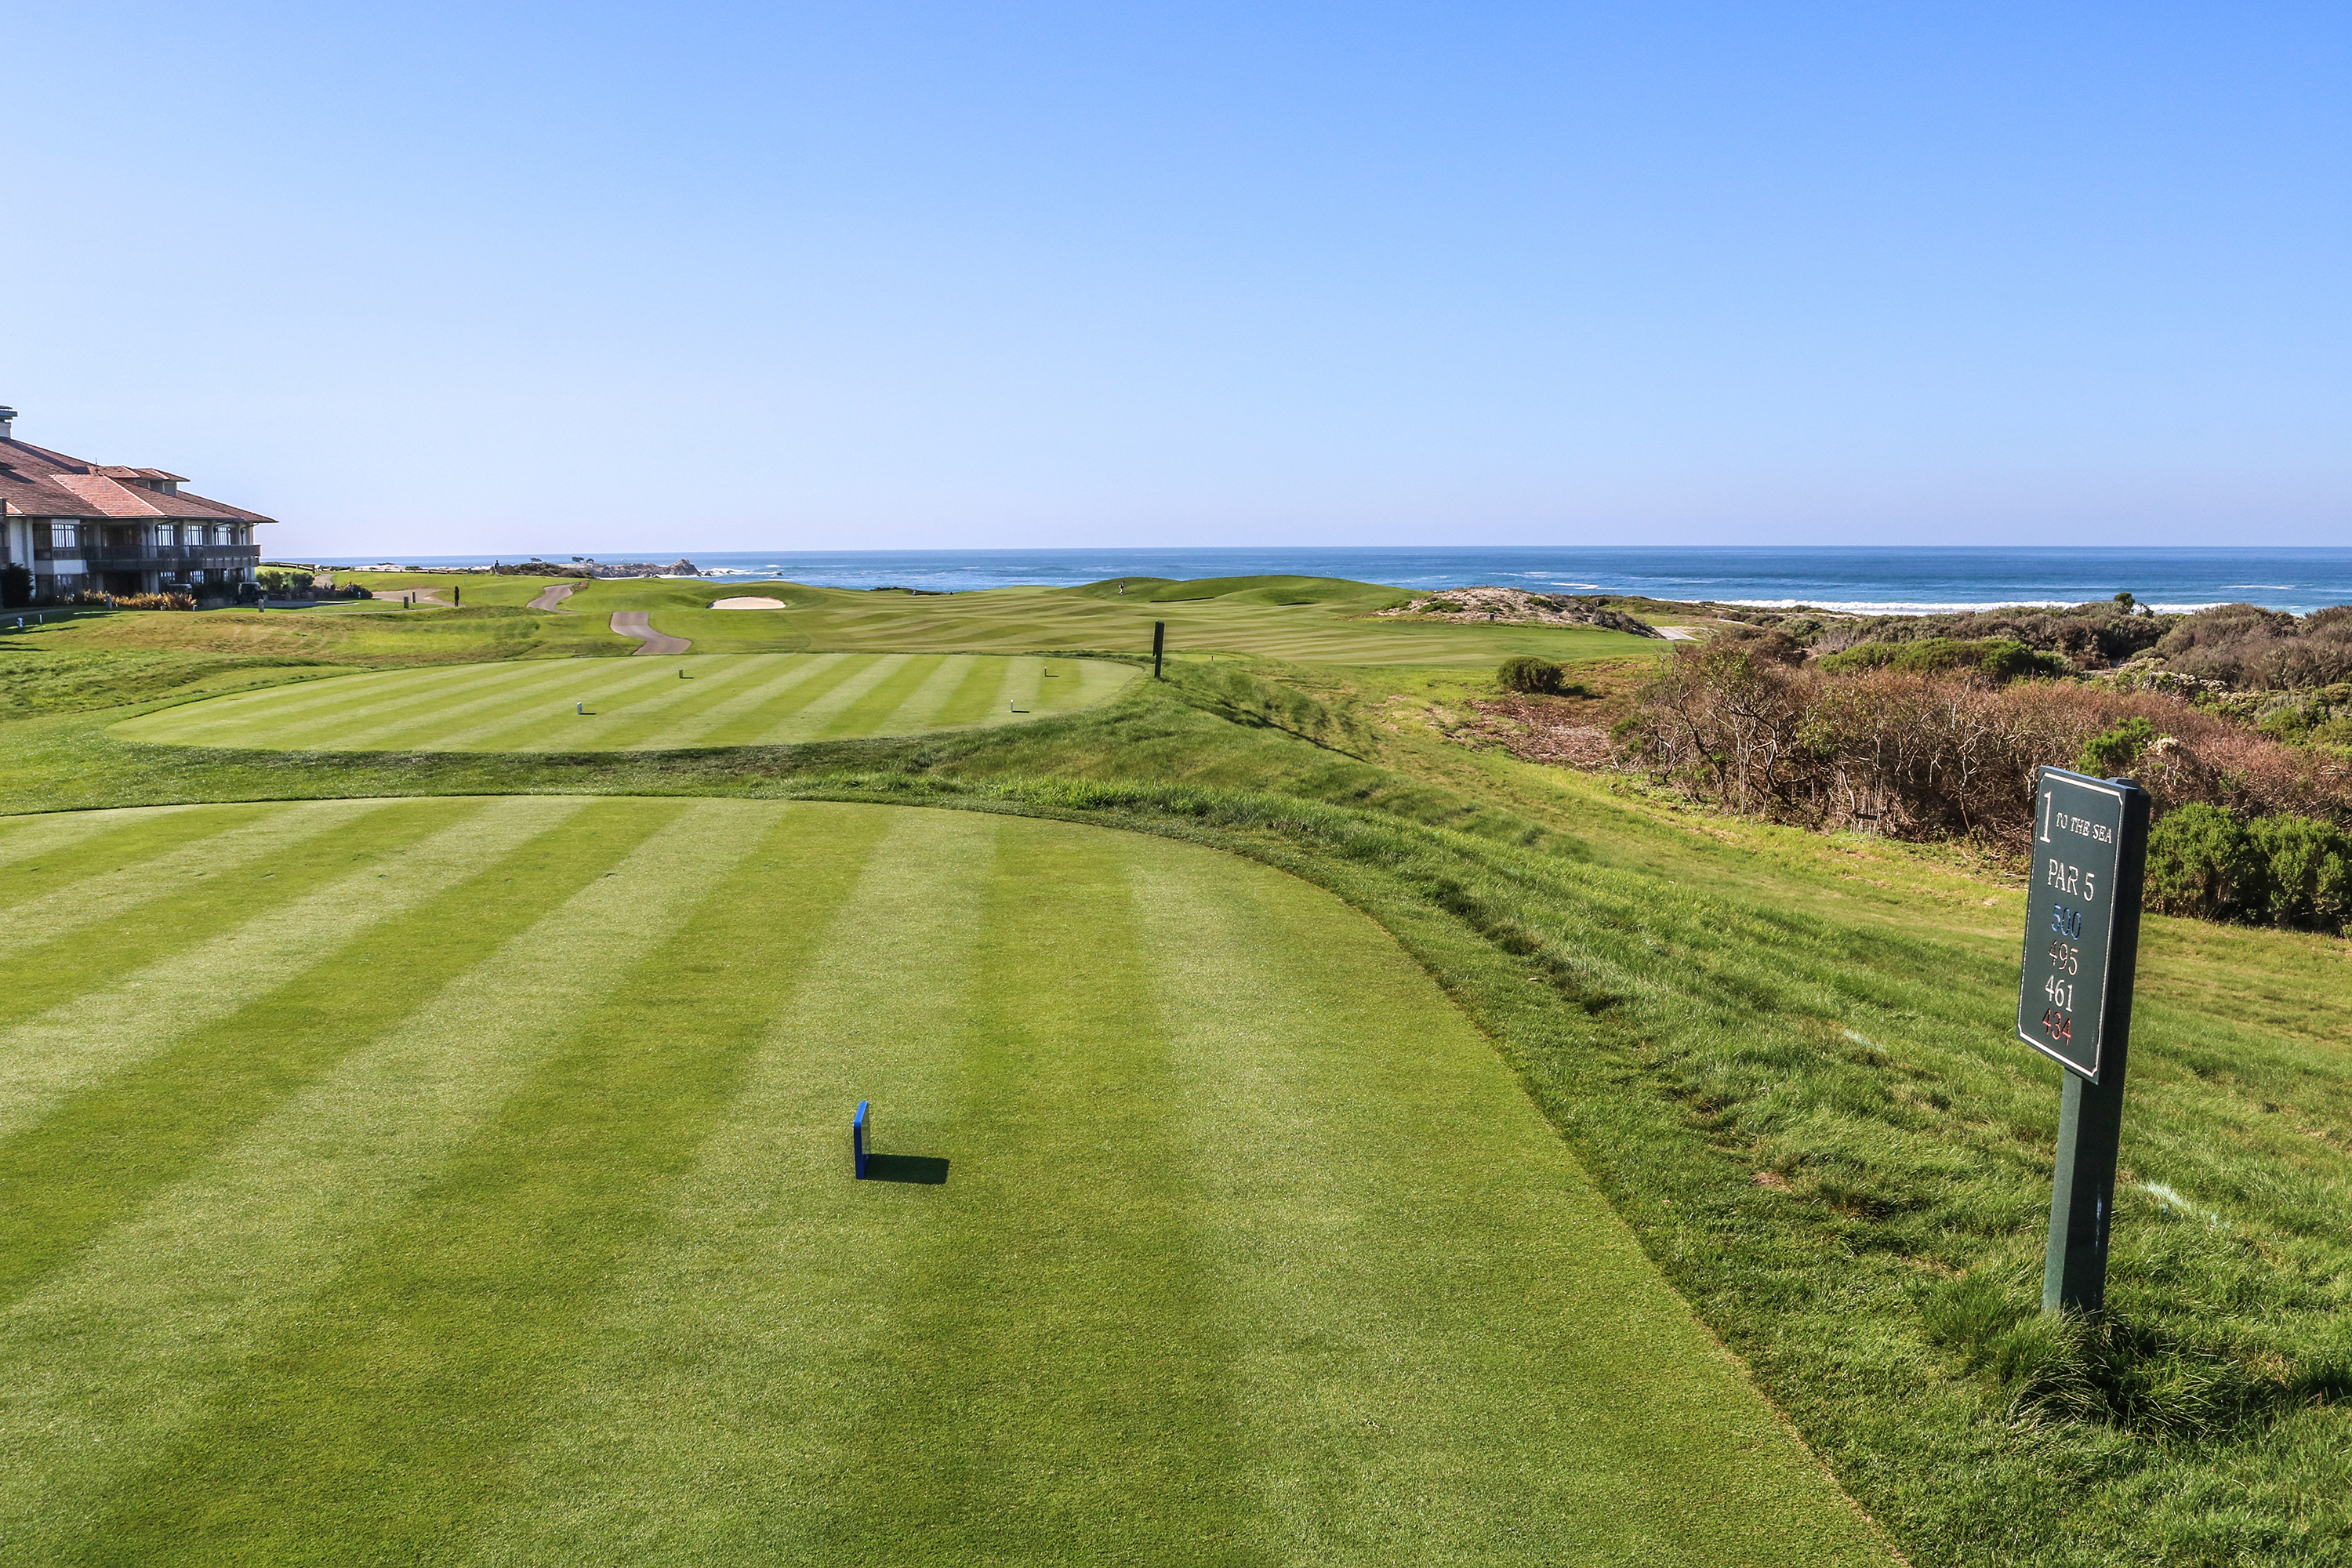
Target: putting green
(466, 1181)
(639, 704)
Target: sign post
(861, 1139)
(1158, 645)
(2074, 1004)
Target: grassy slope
(454, 589)
(497, 1189)
(1786, 1057)
(360, 633)
(1315, 620)
(642, 705)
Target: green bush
(278, 581)
(2106, 756)
(2202, 862)
(2307, 871)
(1525, 672)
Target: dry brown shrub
(1926, 756)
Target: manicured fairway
(465, 1180)
(1252, 620)
(640, 705)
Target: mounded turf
(640, 705)
(466, 1180)
(1310, 620)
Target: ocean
(1884, 579)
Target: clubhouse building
(96, 528)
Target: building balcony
(154, 557)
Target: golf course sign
(2076, 908)
(2074, 1003)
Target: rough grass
(359, 632)
(508, 1219)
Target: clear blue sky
(595, 276)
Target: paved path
(634, 623)
(552, 599)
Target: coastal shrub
(15, 586)
(2088, 636)
(2202, 862)
(2281, 869)
(2247, 646)
(2111, 753)
(1769, 642)
(2306, 872)
(1998, 659)
(1525, 672)
(1925, 756)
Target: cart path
(553, 598)
(635, 624)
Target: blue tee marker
(861, 1135)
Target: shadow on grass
(923, 1170)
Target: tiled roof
(37, 482)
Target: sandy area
(747, 604)
(1488, 602)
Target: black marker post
(2074, 1004)
(1159, 645)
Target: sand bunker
(753, 602)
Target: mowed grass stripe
(548, 709)
(517, 691)
(112, 963)
(1065, 1324)
(275, 705)
(653, 706)
(757, 726)
(815, 713)
(297, 708)
(209, 967)
(743, 1344)
(106, 1148)
(973, 699)
(429, 701)
(235, 844)
(872, 712)
(1415, 1265)
(693, 693)
(467, 1312)
(183, 1294)
(1025, 690)
(920, 708)
(776, 675)
(728, 699)
(74, 838)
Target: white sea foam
(1935, 606)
